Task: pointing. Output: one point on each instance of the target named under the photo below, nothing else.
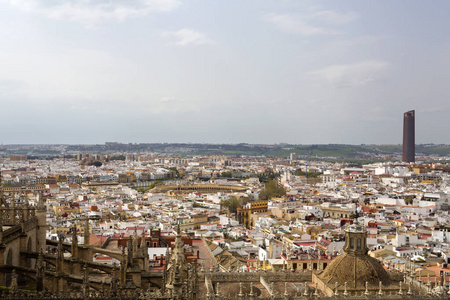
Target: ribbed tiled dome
(356, 270)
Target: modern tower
(409, 142)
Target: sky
(230, 71)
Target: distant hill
(332, 152)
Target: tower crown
(355, 240)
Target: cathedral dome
(355, 266)
(356, 270)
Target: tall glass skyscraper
(409, 141)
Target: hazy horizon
(208, 143)
(256, 71)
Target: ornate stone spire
(135, 242)
(74, 242)
(87, 234)
(14, 288)
(178, 252)
(114, 280)
(177, 268)
(40, 203)
(40, 272)
(85, 281)
(143, 241)
(60, 255)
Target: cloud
(356, 74)
(11, 87)
(90, 12)
(292, 24)
(317, 23)
(335, 18)
(166, 99)
(184, 37)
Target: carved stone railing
(128, 295)
(286, 276)
(16, 215)
(289, 276)
(234, 277)
(79, 295)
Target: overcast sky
(227, 71)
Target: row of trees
(146, 189)
(310, 174)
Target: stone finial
(380, 291)
(305, 293)
(14, 287)
(143, 241)
(217, 290)
(316, 290)
(336, 293)
(409, 292)
(345, 289)
(400, 292)
(251, 289)
(285, 290)
(366, 292)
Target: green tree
(117, 157)
(232, 204)
(175, 170)
(272, 190)
(154, 184)
(226, 174)
(267, 175)
(310, 174)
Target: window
(358, 244)
(351, 243)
